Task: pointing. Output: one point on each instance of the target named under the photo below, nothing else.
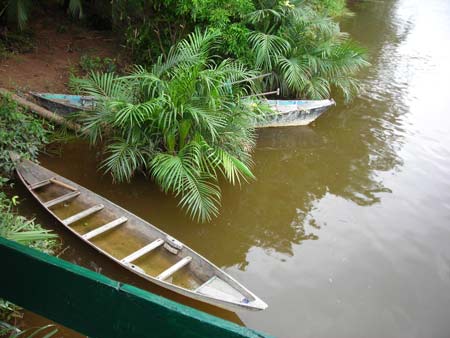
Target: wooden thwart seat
(83, 214)
(61, 199)
(142, 251)
(40, 184)
(51, 180)
(104, 228)
(174, 268)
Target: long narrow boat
(286, 112)
(295, 112)
(64, 104)
(132, 242)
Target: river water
(346, 231)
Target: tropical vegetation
(298, 41)
(183, 116)
(184, 121)
(306, 52)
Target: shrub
(19, 132)
(181, 121)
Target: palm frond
(267, 47)
(125, 157)
(194, 49)
(294, 73)
(317, 88)
(260, 15)
(230, 166)
(102, 86)
(180, 173)
(205, 120)
(131, 115)
(149, 83)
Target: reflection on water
(345, 231)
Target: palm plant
(183, 121)
(17, 228)
(305, 50)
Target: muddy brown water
(346, 231)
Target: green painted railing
(96, 305)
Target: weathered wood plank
(104, 228)
(83, 214)
(174, 268)
(40, 184)
(61, 199)
(142, 251)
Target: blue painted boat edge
(64, 104)
(74, 100)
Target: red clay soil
(47, 68)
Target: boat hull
(286, 112)
(63, 104)
(255, 305)
(294, 113)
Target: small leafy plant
(97, 64)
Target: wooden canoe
(286, 112)
(294, 112)
(64, 104)
(132, 242)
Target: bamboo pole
(252, 78)
(263, 94)
(41, 111)
(62, 184)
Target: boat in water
(64, 104)
(286, 112)
(132, 242)
(294, 112)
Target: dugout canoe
(286, 112)
(64, 104)
(294, 112)
(132, 242)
